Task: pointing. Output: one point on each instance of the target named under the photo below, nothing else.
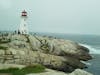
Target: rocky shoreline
(56, 54)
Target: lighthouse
(23, 25)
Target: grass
(26, 70)
(3, 47)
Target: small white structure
(23, 26)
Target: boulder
(80, 72)
(60, 47)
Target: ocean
(92, 42)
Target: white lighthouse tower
(23, 25)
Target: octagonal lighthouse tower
(23, 25)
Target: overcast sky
(56, 16)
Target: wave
(87, 63)
(92, 50)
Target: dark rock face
(84, 54)
(58, 54)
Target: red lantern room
(24, 13)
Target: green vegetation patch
(3, 47)
(37, 68)
(26, 70)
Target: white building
(23, 25)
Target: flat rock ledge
(57, 54)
